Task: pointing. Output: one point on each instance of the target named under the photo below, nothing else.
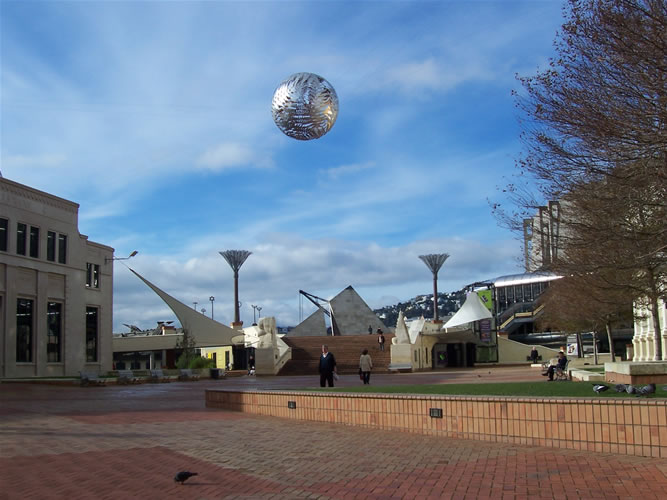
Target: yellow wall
(219, 355)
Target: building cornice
(32, 194)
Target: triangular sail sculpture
(206, 331)
(402, 334)
(473, 309)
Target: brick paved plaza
(125, 442)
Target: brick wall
(626, 426)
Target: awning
(473, 309)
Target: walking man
(381, 339)
(327, 367)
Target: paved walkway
(126, 442)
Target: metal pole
(211, 298)
(435, 297)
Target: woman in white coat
(365, 366)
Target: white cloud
(232, 155)
(46, 160)
(335, 173)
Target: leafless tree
(594, 129)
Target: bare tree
(594, 128)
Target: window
(24, 308)
(21, 238)
(527, 293)
(92, 275)
(4, 226)
(34, 242)
(51, 246)
(518, 293)
(54, 327)
(537, 289)
(62, 248)
(91, 334)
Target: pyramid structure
(351, 313)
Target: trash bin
(215, 373)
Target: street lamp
(211, 298)
(434, 262)
(254, 310)
(194, 305)
(109, 259)
(235, 259)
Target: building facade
(56, 288)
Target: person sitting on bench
(562, 363)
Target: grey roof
(522, 278)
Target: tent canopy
(473, 309)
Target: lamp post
(235, 259)
(109, 259)
(434, 262)
(255, 309)
(194, 305)
(211, 298)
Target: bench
(88, 379)
(187, 374)
(559, 373)
(400, 367)
(127, 377)
(159, 376)
(539, 358)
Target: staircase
(306, 353)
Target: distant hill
(422, 305)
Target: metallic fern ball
(305, 106)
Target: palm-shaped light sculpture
(434, 262)
(235, 259)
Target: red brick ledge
(625, 426)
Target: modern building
(56, 288)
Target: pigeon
(183, 476)
(598, 388)
(630, 389)
(646, 390)
(620, 387)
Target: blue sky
(155, 117)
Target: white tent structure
(473, 309)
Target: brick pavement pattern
(126, 442)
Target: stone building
(55, 288)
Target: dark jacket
(327, 364)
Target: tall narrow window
(54, 325)
(4, 226)
(34, 242)
(51, 246)
(91, 334)
(24, 328)
(92, 275)
(62, 248)
(21, 236)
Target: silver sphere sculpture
(305, 106)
